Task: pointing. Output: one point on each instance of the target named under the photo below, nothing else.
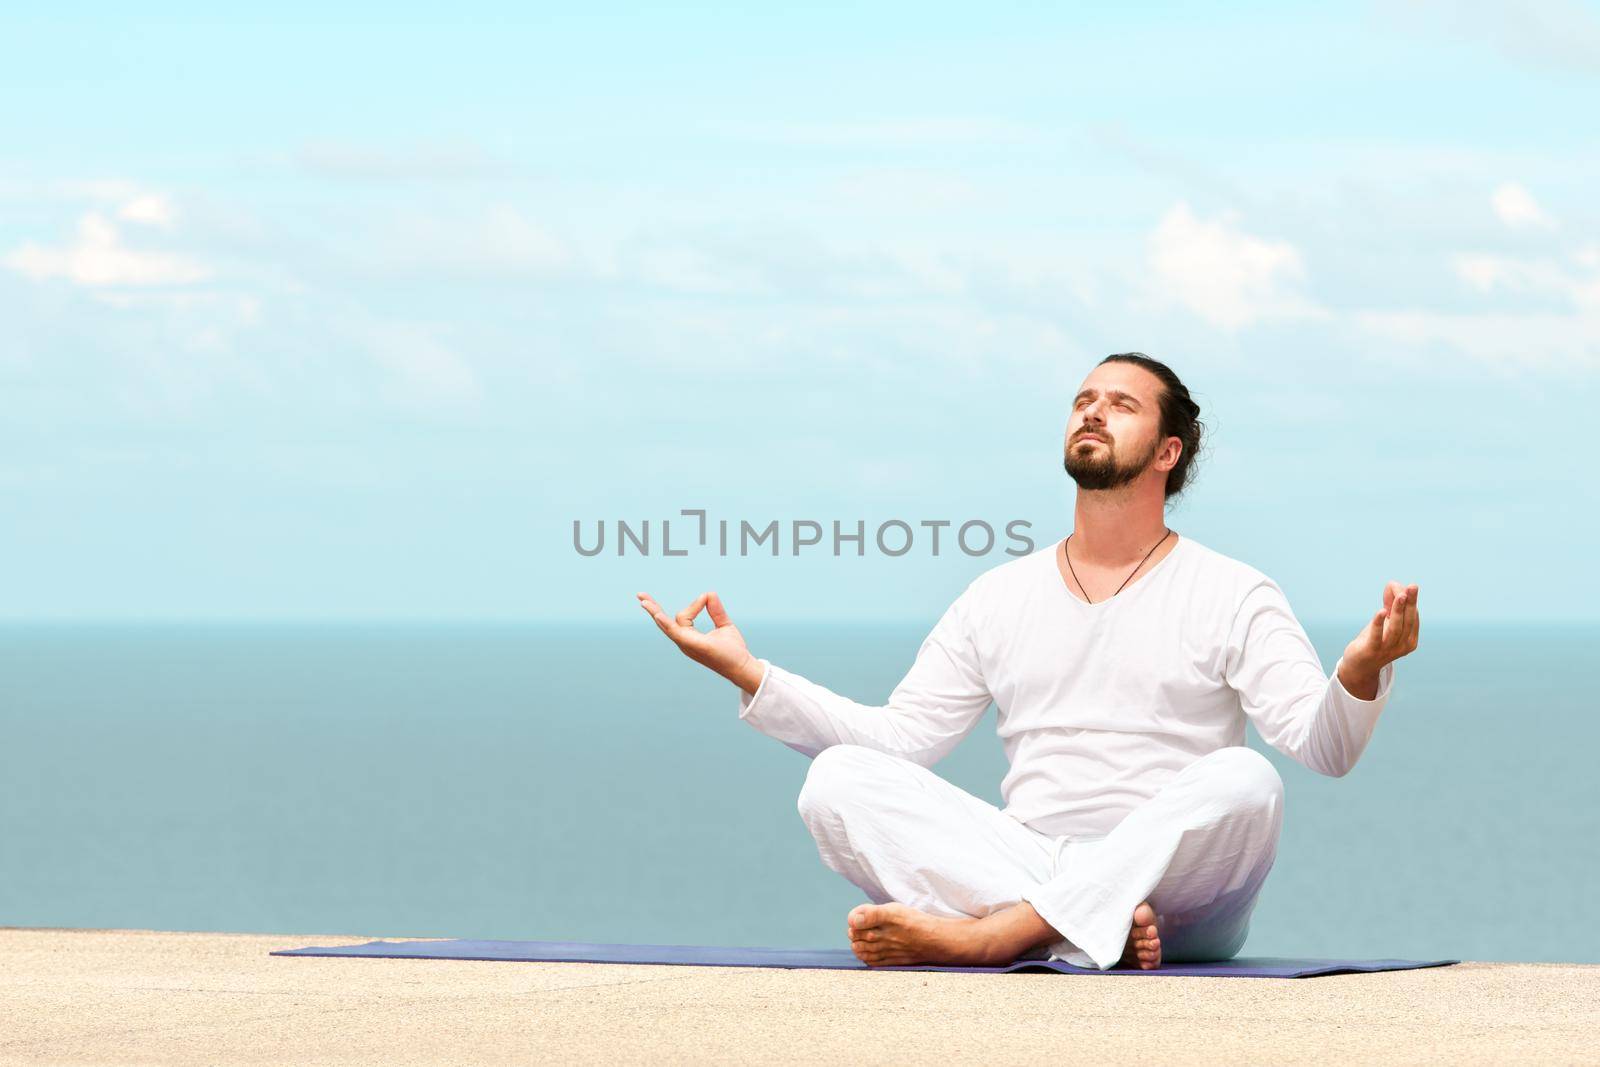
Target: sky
(353, 319)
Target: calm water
(590, 783)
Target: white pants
(1198, 851)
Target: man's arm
(934, 707)
(1320, 721)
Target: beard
(1095, 467)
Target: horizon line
(489, 620)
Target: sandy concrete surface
(140, 997)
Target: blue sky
(353, 319)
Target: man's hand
(1392, 633)
(722, 649)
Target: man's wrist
(1359, 677)
(748, 675)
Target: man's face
(1118, 405)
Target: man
(1124, 661)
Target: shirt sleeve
(1306, 715)
(933, 708)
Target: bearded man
(1124, 661)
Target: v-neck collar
(1066, 590)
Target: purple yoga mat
(826, 958)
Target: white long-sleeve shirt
(1099, 704)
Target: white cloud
(1557, 327)
(1227, 277)
(148, 208)
(128, 200)
(1503, 340)
(1516, 207)
(1498, 341)
(98, 257)
(1535, 277)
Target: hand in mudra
(1391, 633)
(722, 648)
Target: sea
(587, 782)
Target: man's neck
(1112, 530)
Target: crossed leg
(1191, 860)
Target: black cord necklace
(1125, 581)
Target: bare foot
(890, 935)
(1144, 941)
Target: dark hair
(1180, 416)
